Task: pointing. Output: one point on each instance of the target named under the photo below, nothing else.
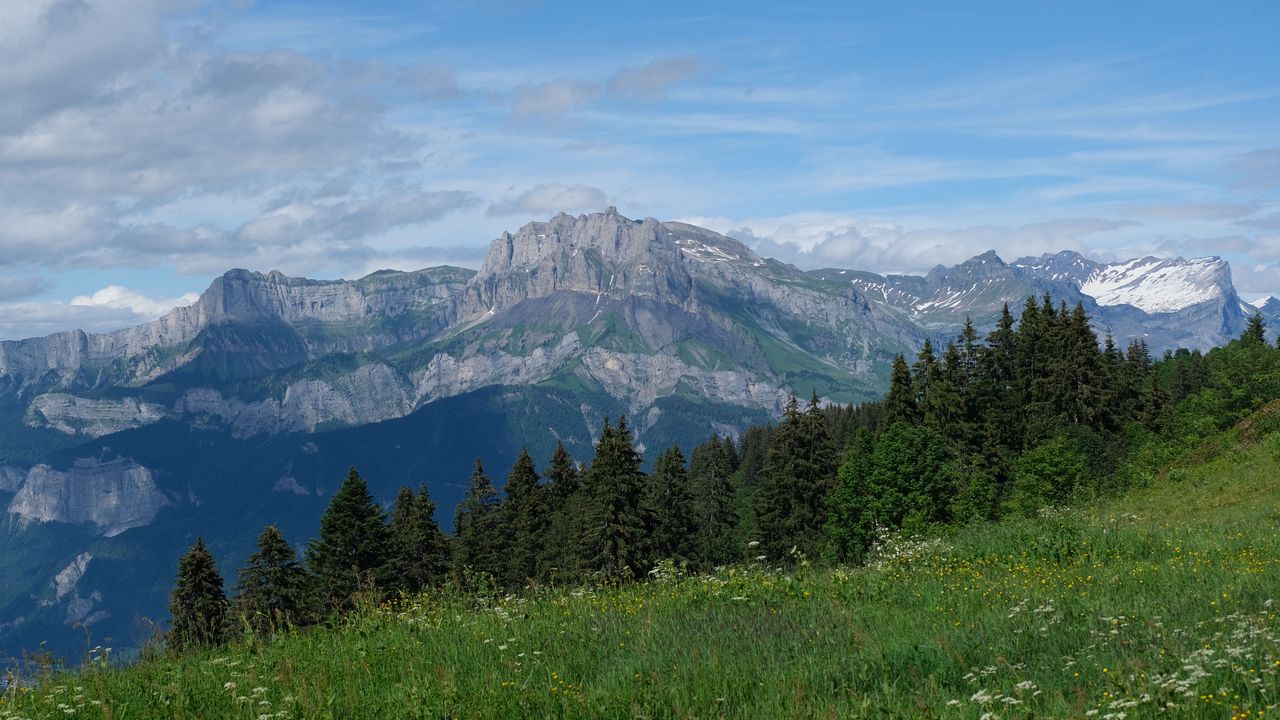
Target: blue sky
(148, 145)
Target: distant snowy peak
(1154, 285)
(1066, 267)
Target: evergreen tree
(800, 471)
(670, 502)
(924, 375)
(526, 523)
(712, 469)
(420, 551)
(751, 457)
(970, 348)
(946, 408)
(480, 543)
(1256, 331)
(900, 403)
(850, 527)
(558, 560)
(996, 389)
(615, 528)
(198, 606)
(272, 592)
(351, 549)
(1077, 375)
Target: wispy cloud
(547, 198)
(650, 82)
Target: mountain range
(246, 408)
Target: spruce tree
(711, 470)
(272, 592)
(924, 375)
(670, 503)
(559, 557)
(800, 470)
(420, 553)
(1256, 331)
(480, 545)
(900, 403)
(996, 388)
(615, 527)
(352, 548)
(525, 520)
(198, 606)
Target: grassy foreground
(1162, 604)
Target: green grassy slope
(1162, 603)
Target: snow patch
(1157, 286)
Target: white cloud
(549, 198)
(812, 240)
(110, 308)
(651, 81)
(551, 101)
(117, 297)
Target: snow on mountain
(1154, 285)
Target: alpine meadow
(549, 359)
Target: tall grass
(1162, 604)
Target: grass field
(1160, 604)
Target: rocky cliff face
(115, 496)
(384, 308)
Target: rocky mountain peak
(1156, 285)
(603, 253)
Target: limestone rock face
(392, 306)
(95, 418)
(115, 495)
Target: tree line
(1038, 412)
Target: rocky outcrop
(70, 414)
(641, 379)
(370, 393)
(393, 306)
(68, 577)
(115, 495)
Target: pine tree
(900, 403)
(479, 544)
(712, 469)
(559, 557)
(1077, 390)
(272, 592)
(525, 515)
(615, 529)
(800, 471)
(351, 549)
(1256, 331)
(198, 606)
(670, 502)
(944, 408)
(420, 552)
(970, 348)
(996, 387)
(924, 374)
